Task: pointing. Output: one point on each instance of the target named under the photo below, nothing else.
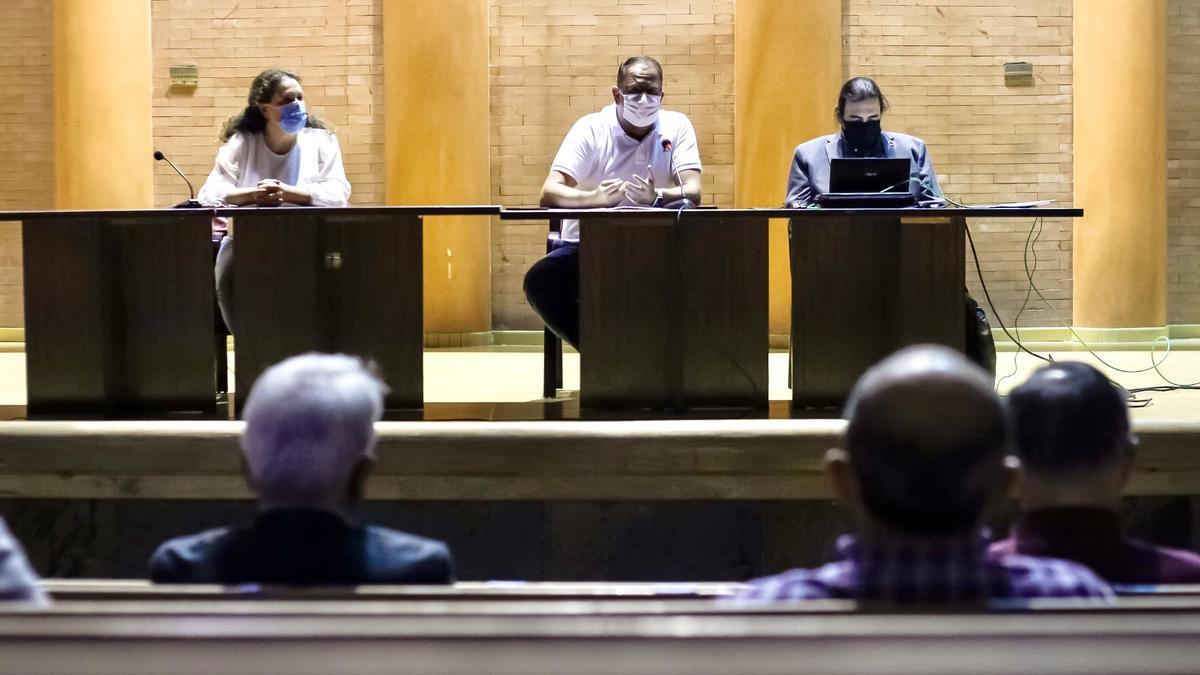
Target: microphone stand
(191, 202)
(683, 202)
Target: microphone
(191, 203)
(683, 202)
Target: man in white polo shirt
(620, 156)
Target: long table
(119, 304)
(673, 303)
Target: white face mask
(641, 110)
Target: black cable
(1028, 291)
(937, 192)
(988, 297)
(1131, 394)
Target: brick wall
(554, 61)
(336, 47)
(26, 113)
(1183, 161)
(941, 67)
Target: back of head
(927, 437)
(309, 423)
(1068, 419)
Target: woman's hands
(271, 192)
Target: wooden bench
(1081, 641)
(136, 589)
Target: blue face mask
(293, 117)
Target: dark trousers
(552, 289)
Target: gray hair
(310, 420)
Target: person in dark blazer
(306, 452)
(859, 112)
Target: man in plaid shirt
(925, 454)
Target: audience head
(269, 92)
(1071, 430)
(925, 447)
(310, 431)
(639, 91)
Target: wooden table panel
(119, 314)
(379, 300)
(629, 316)
(725, 288)
(673, 310)
(347, 282)
(863, 288)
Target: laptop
(868, 183)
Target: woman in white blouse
(274, 154)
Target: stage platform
(518, 447)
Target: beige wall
(552, 61)
(941, 67)
(1183, 161)
(26, 120)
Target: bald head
(927, 437)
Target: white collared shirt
(598, 149)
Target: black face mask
(861, 136)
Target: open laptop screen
(869, 175)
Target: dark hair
(926, 438)
(859, 89)
(632, 61)
(262, 90)
(1069, 418)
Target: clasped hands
(271, 192)
(639, 191)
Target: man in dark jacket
(307, 448)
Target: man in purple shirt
(924, 456)
(1073, 436)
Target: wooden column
(1120, 62)
(102, 104)
(437, 146)
(788, 68)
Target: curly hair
(262, 90)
